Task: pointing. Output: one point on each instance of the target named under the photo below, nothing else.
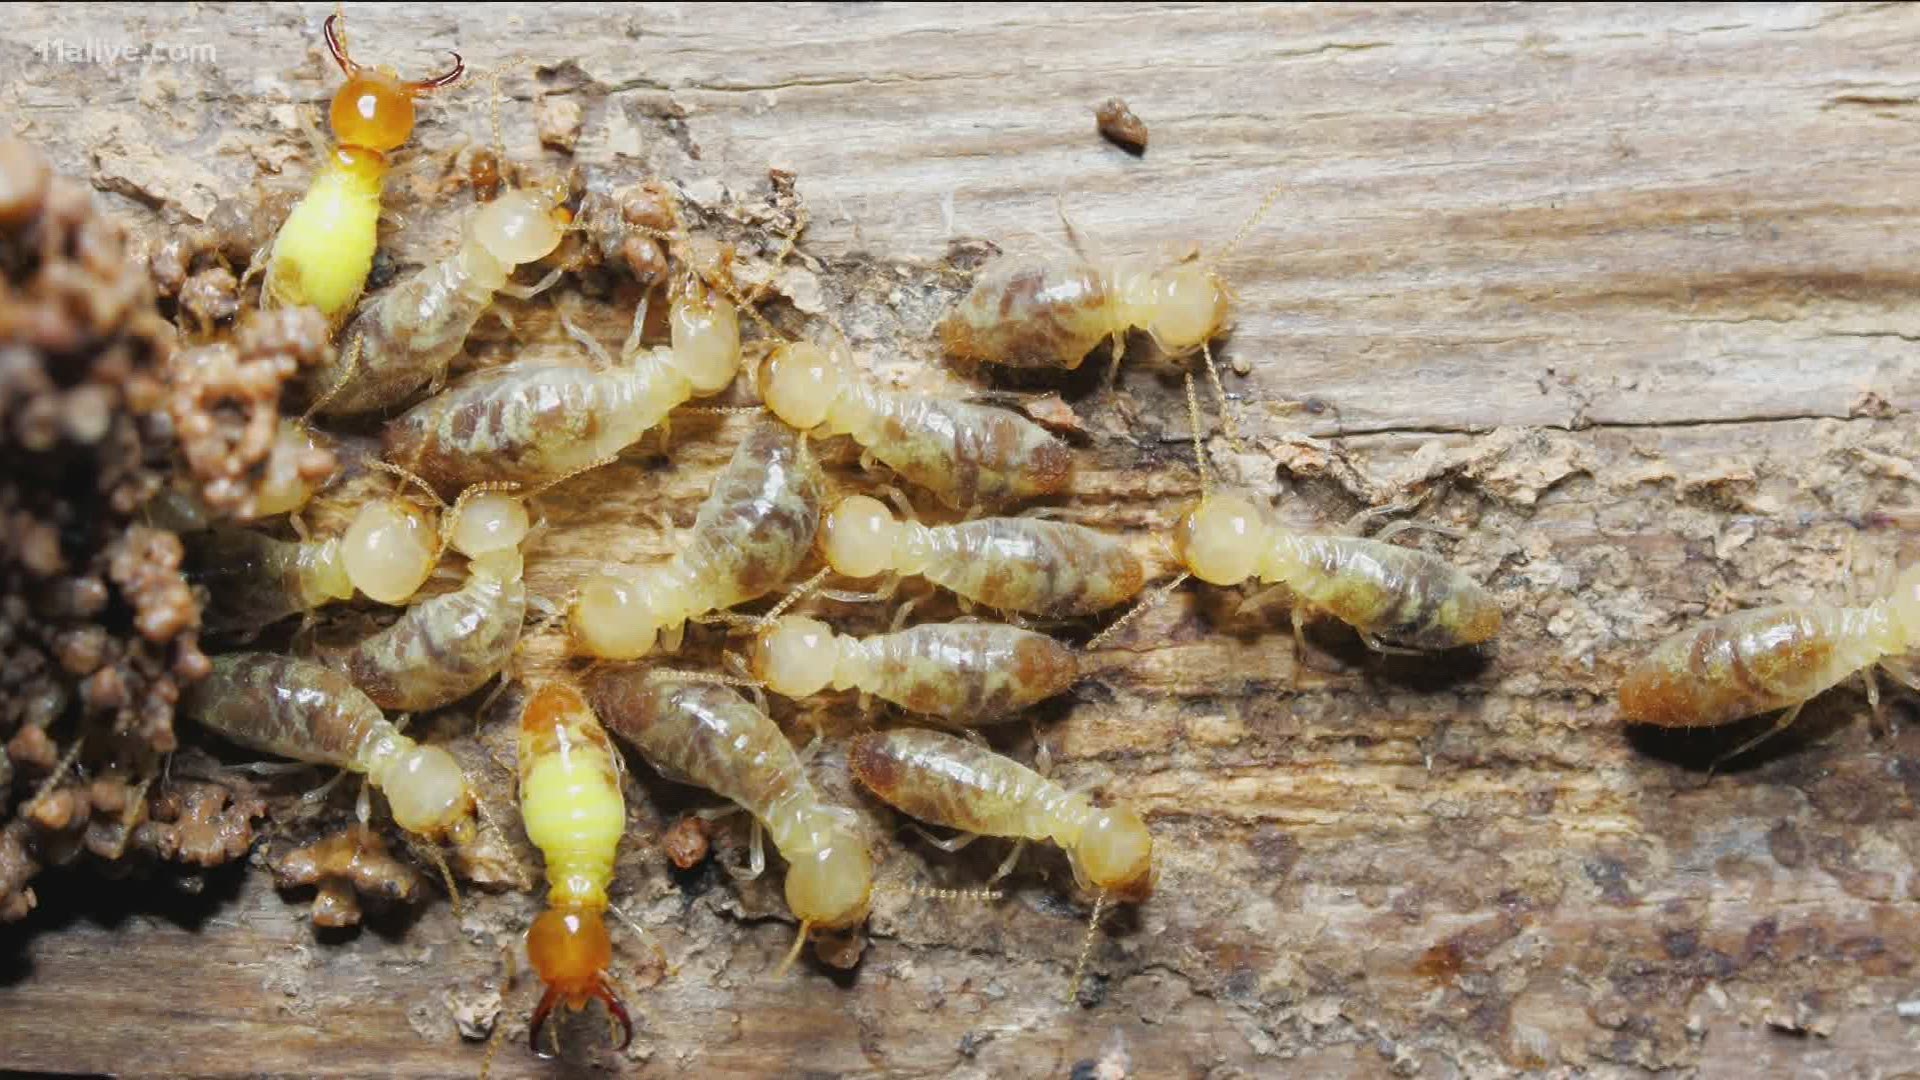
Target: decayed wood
(1626, 294)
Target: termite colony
(793, 634)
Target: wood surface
(1626, 294)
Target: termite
(1393, 596)
(534, 424)
(1051, 314)
(574, 812)
(944, 780)
(1054, 569)
(1781, 657)
(968, 673)
(303, 710)
(710, 736)
(324, 250)
(254, 579)
(444, 648)
(752, 532)
(965, 454)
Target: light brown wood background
(1628, 293)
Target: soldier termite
(1049, 568)
(1051, 314)
(1393, 596)
(752, 532)
(304, 710)
(965, 454)
(534, 424)
(446, 647)
(710, 736)
(966, 673)
(324, 250)
(1751, 662)
(574, 812)
(949, 781)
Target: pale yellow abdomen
(574, 813)
(325, 249)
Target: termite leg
(1786, 720)
(1007, 864)
(756, 851)
(1385, 649)
(1873, 699)
(1399, 527)
(951, 844)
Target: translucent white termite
(532, 424)
(964, 454)
(753, 531)
(303, 710)
(710, 736)
(1051, 568)
(965, 673)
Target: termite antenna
(439, 862)
(1158, 595)
(799, 942)
(1227, 426)
(411, 478)
(1086, 946)
(1199, 444)
(58, 774)
(796, 595)
(1266, 204)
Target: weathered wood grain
(1626, 293)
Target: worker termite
(533, 424)
(444, 648)
(949, 781)
(324, 250)
(1751, 662)
(304, 710)
(710, 736)
(752, 532)
(574, 812)
(1393, 596)
(1050, 568)
(1051, 314)
(967, 673)
(964, 454)
(253, 579)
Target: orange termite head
(571, 951)
(373, 110)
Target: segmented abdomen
(442, 649)
(570, 798)
(405, 338)
(528, 423)
(705, 735)
(964, 454)
(1025, 315)
(971, 673)
(287, 707)
(1050, 568)
(1746, 663)
(1397, 594)
(758, 524)
(949, 781)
